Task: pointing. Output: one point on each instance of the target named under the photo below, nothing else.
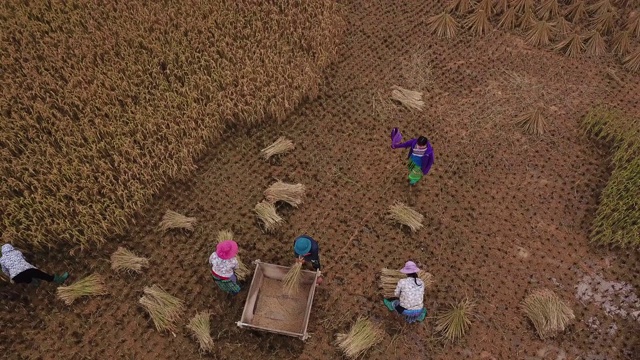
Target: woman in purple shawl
(420, 157)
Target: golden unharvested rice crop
(280, 146)
(292, 194)
(242, 272)
(164, 308)
(101, 103)
(363, 335)
(125, 260)
(200, 327)
(389, 280)
(174, 220)
(617, 219)
(91, 285)
(405, 215)
(548, 313)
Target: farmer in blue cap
(307, 249)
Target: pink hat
(226, 249)
(409, 268)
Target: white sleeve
(398, 290)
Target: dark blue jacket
(313, 253)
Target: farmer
(223, 264)
(420, 155)
(307, 249)
(20, 271)
(410, 295)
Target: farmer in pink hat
(410, 295)
(223, 264)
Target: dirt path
(505, 213)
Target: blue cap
(302, 245)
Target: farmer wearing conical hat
(223, 264)
(409, 294)
(420, 157)
(20, 271)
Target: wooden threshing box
(268, 308)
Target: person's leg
(234, 278)
(398, 308)
(26, 276)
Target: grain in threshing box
(269, 308)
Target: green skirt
(415, 172)
(226, 285)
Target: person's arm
(406, 144)
(398, 290)
(314, 254)
(427, 161)
(5, 271)
(234, 263)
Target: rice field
(85, 145)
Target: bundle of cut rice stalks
(631, 62)
(174, 220)
(548, 313)
(443, 25)
(363, 335)
(454, 323)
(291, 281)
(267, 214)
(242, 272)
(532, 122)
(409, 98)
(164, 308)
(125, 260)
(280, 146)
(292, 194)
(389, 280)
(91, 285)
(200, 326)
(406, 216)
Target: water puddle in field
(615, 298)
